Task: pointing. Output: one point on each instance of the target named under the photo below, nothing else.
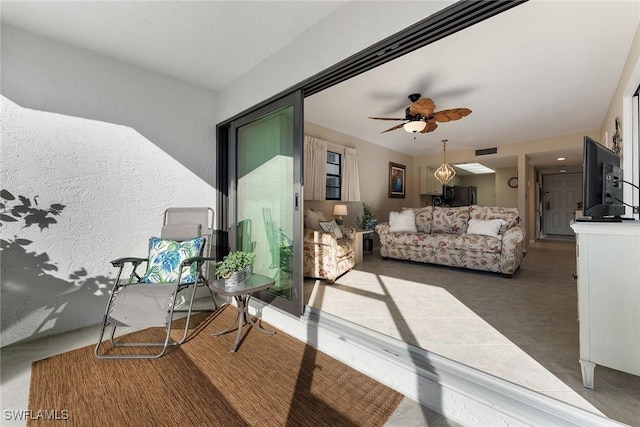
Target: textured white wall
(114, 144)
(117, 145)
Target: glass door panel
(267, 215)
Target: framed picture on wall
(397, 180)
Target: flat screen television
(601, 182)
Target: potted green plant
(235, 267)
(367, 222)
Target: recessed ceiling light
(563, 170)
(561, 159)
(475, 168)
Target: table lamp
(339, 210)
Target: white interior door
(561, 196)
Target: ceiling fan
(420, 117)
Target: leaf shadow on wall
(29, 287)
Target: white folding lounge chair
(178, 261)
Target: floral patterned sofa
(444, 236)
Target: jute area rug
(270, 381)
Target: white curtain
(350, 176)
(315, 168)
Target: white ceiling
(543, 68)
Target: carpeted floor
(271, 381)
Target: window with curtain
(315, 168)
(350, 176)
(317, 175)
(334, 175)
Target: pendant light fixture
(445, 172)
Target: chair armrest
(382, 229)
(348, 232)
(515, 233)
(319, 237)
(120, 262)
(513, 238)
(187, 262)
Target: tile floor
(523, 329)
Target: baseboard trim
(462, 394)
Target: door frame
(441, 24)
(545, 199)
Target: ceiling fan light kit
(415, 126)
(445, 173)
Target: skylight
(475, 168)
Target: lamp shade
(339, 210)
(414, 126)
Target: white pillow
(331, 227)
(312, 219)
(402, 222)
(485, 227)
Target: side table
(242, 293)
(358, 246)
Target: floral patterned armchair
(327, 257)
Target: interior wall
(506, 196)
(93, 152)
(620, 106)
(533, 215)
(486, 187)
(373, 167)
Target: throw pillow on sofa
(511, 216)
(331, 227)
(402, 222)
(485, 227)
(424, 217)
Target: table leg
(215, 334)
(255, 324)
(587, 373)
(243, 318)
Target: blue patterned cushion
(165, 257)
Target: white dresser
(608, 260)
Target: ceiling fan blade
(386, 118)
(441, 116)
(452, 114)
(394, 128)
(423, 107)
(464, 112)
(431, 126)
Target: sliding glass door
(265, 195)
